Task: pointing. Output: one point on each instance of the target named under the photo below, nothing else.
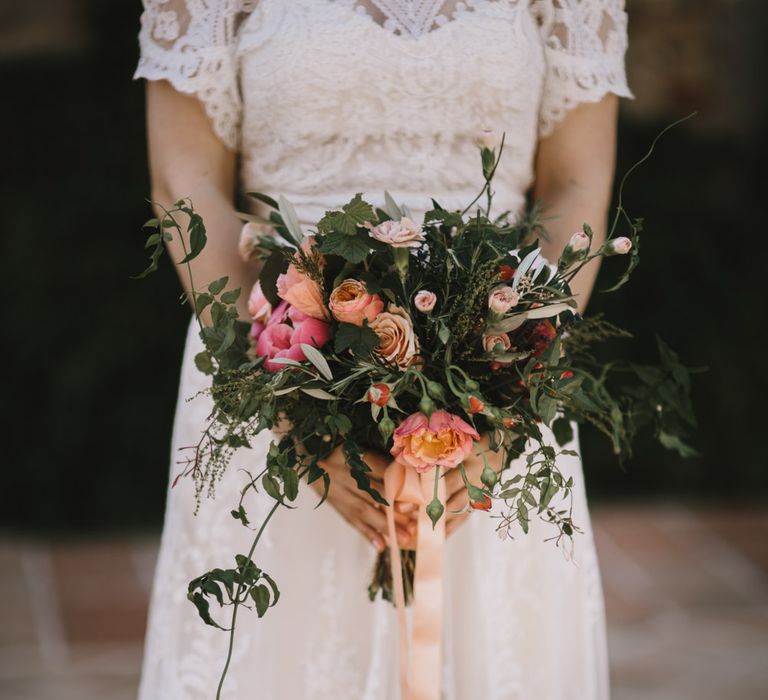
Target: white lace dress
(322, 99)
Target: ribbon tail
(428, 598)
(393, 478)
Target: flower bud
(617, 246)
(483, 503)
(386, 427)
(579, 242)
(426, 405)
(475, 405)
(425, 301)
(435, 511)
(471, 385)
(487, 139)
(378, 394)
(435, 390)
(489, 477)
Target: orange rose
(351, 303)
(398, 343)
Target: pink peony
(425, 301)
(399, 234)
(301, 291)
(284, 333)
(502, 299)
(444, 439)
(258, 306)
(351, 303)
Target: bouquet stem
(382, 576)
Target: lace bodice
(325, 98)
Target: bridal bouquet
(414, 338)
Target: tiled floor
(686, 590)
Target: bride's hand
(356, 506)
(457, 507)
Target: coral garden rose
(425, 301)
(502, 299)
(300, 291)
(350, 302)
(404, 233)
(442, 439)
(284, 333)
(398, 343)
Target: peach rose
(302, 292)
(398, 343)
(425, 301)
(351, 303)
(444, 439)
(502, 299)
(399, 234)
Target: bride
(317, 100)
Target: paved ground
(686, 590)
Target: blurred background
(91, 398)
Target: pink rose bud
(425, 301)
(378, 394)
(579, 241)
(502, 299)
(475, 405)
(487, 139)
(617, 246)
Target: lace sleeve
(192, 45)
(585, 42)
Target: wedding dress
(322, 99)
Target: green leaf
(673, 442)
(391, 207)
(264, 198)
(201, 301)
(203, 609)
(562, 430)
(353, 214)
(231, 296)
(203, 362)
(317, 359)
(260, 595)
(354, 247)
(290, 484)
(275, 265)
(361, 340)
(216, 286)
(318, 393)
(291, 220)
(197, 237)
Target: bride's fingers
(371, 535)
(455, 522)
(458, 501)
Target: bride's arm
(186, 159)
(574, 176)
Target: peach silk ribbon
(404, 484)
